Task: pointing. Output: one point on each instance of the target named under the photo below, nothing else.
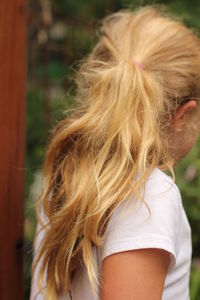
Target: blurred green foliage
(61, 33)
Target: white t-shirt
(131, 227)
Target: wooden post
(12, 145)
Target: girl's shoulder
(152, 221)
(161, 191)
(163, 179)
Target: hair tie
(138, 64)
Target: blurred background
(59, 34)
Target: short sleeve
(132, 227)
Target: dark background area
(60, 33)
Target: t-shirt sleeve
(132, 227)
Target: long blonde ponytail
(118, 133)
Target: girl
(113, 224)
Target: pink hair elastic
(138, 64)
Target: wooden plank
(12, 145)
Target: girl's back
(132, 227)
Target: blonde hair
(119, 131)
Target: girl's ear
(177, 122)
